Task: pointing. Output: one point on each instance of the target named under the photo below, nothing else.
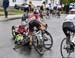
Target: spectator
(50, 8)
(31, 6)
(5, 6)
(54, 9)
(47, 9)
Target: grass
(1, 14)
(1, 9)
(11, 11)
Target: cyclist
(68, 25)
(47, 9)
(31, 6)
(19, 32)
(43, 8)
(50, 8)
(34, 21)
(22, 29)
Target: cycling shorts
(32, 24)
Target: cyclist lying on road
(19, 32)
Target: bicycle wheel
(65, 53)
(13, 31)
(38, 48)
(48, 40)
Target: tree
(66, 1)
(72, 1)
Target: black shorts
(68, 26)
(32, 24)
(59, 9)
(51, 11)
(47, 8)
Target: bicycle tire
(35, 47)
(61, 49)
(13, 28)
(51, 38)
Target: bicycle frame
(39, 35)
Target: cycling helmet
(72, 11)
(36, 11)
(23, 23)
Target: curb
(13, 18)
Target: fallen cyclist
(20, 32)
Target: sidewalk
(13, 17)
(10, 17)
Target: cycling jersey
(68, 24)
(70, 18)
(34, 16)
(21, 29)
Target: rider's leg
(30, 35)
(67, 28)
(67, 37)
(31, 29)
(68, 41)
(66, 32)
(72, 29)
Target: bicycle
(40, 41)
(13, 31)
(66, 52)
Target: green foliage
(10, 11)
(1, 14)
(1, 9)
(72, 1)
(66, 1)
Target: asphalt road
(7, 45)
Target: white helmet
(36, 10)
(24, 23)
(72, 10)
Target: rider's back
(70, 18)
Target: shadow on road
(23, 50)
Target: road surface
(7, 44)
